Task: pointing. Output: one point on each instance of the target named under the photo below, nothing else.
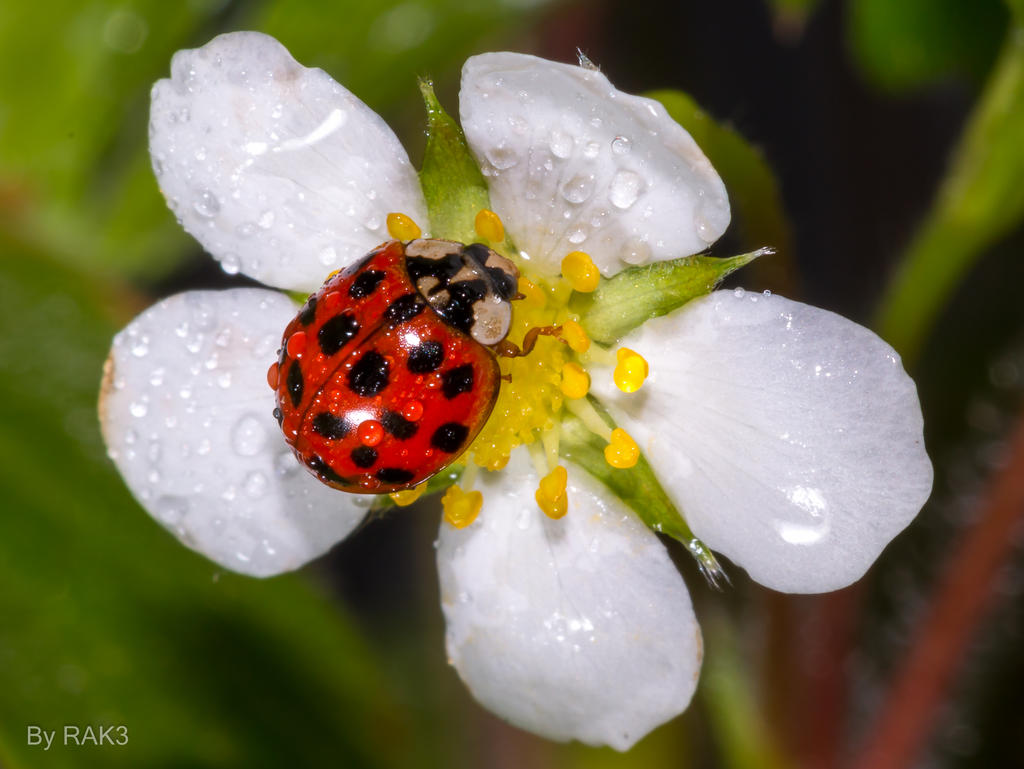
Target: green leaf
(912, 43)
(107, 620)
(753, 190)
(453, 186)
(981, 200)
(638, 487)
(638, 294)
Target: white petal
(276, 169)
(790, 437)
(573, 629)
(186, 414)
(574, 164)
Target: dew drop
(710, 218)
(621, 145)
(156, 377)
(255, 484)
(578, 188)
(637, 252)
(138, 409)
(591, 150)
(266, 220)
(248, 436)
(577, 236)
(170, 508)
(231, 264)
(327, 256)
(207, 204)
(739, 293)
(245, 230)
(141, 347)
(501, 157)
(561, 144)
(625, 189)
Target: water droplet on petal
(739, 293)
(248, 436)
(637, 252)
(578, 188)
(266, 220)
(625, 189)
(561, 144)
(231, 264)
(170, 508)
(501, 157)
(255, 484)
(138, 409)
(207, 204)
(327, 256)
(621, 145)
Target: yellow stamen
(402, 227)
(630, 371)
(489, 227)
(581, 272)
(575, 336)
(621, 451)
(533, 295)
(407, 496)
(461, 508)
(551, 495)
(575, 381)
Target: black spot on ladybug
(443, 269)
(308, 312)
(405, 308)
(449, 437)
(463, 294)
(425, 357)
(394, 475)
(364, 456)
(370, 375)
(331, 427)
(278, 415)
(321, 468)
(365, 284)
(295, 383)
(337, 332)
(457, 381)
(505, 285)
(398, 426)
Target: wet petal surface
(278, 171)
(186, 415)
(577, 628)
(575, 164)
(790, 437)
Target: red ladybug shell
(376, 391)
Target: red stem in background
(909, 711)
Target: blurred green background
(883, 156)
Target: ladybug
(388, 372)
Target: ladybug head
(470, 287)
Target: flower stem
(979, 202)
(965, 593)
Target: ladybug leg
(508, 349)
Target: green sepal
(639, 489)
(638, 294)
(452, 184)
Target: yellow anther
(489, 227)
(461, 507)
(630, 371)
(575, 336)
(408, 496)
(533, 294)
(575, 381)
(551, 495)
(402, 227)
(622, 452)
(581, 272)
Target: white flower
(790, 438)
